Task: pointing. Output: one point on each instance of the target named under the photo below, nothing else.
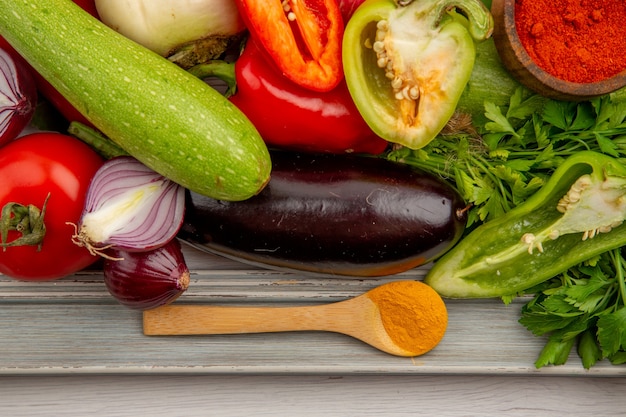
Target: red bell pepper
(291, 117)
(302, 37)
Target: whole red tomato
(32, 168)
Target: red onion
(144, 280)
(129, 207)
(18, 97)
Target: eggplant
(342, 215)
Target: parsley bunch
(499, 165)
(509, 158)
(586, 304)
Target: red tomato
(31, 168)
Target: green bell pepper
(576, 215)
(407, 63)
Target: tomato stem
(26, 220)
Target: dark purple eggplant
(332, 214)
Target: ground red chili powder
(575, 40)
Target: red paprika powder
(580, 41)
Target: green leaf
(493, 208)
(541, 131)
(507, 172)
(586, 295)
(547, 153)
(539, 322)
(557, 304)
(609, 114)
(520, 108)
(584, 119)
(465, 185)
(508, 299)
(575, 328)
(606, 145)
(555, 352)
(521, 191)
(492, 140)
(483, 190)
(399, 154)
(618, 114)
(521, 165)
(556, 113)
(499, 123)
(604, 110)
(588, 349)
(612, 332)
(619, 358)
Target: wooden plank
(310, 396)
(74, 326)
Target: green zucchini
(160, 114)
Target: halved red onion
(18, 97)
(129, 207)
(145, 280)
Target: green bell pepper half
(576, 215)
(407, 64)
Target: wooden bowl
(527, 72)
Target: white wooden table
(319, 395)
(67, 348)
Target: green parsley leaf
(618, 358)
(585, 118)
(588, 349)
(499, 122)
(521, 107)
(612, 332)
(541, 323)
(556, 113)
(606, 145)
(588, 295)
(555, 352)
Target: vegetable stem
(619, 274)
(100, 143)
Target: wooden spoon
(403, 318)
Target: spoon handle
(198, 319)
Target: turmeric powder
(413, 314)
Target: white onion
(163, 25)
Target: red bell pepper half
(291, 117)
(302, 37)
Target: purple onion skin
(145, 280)
(21, 88)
